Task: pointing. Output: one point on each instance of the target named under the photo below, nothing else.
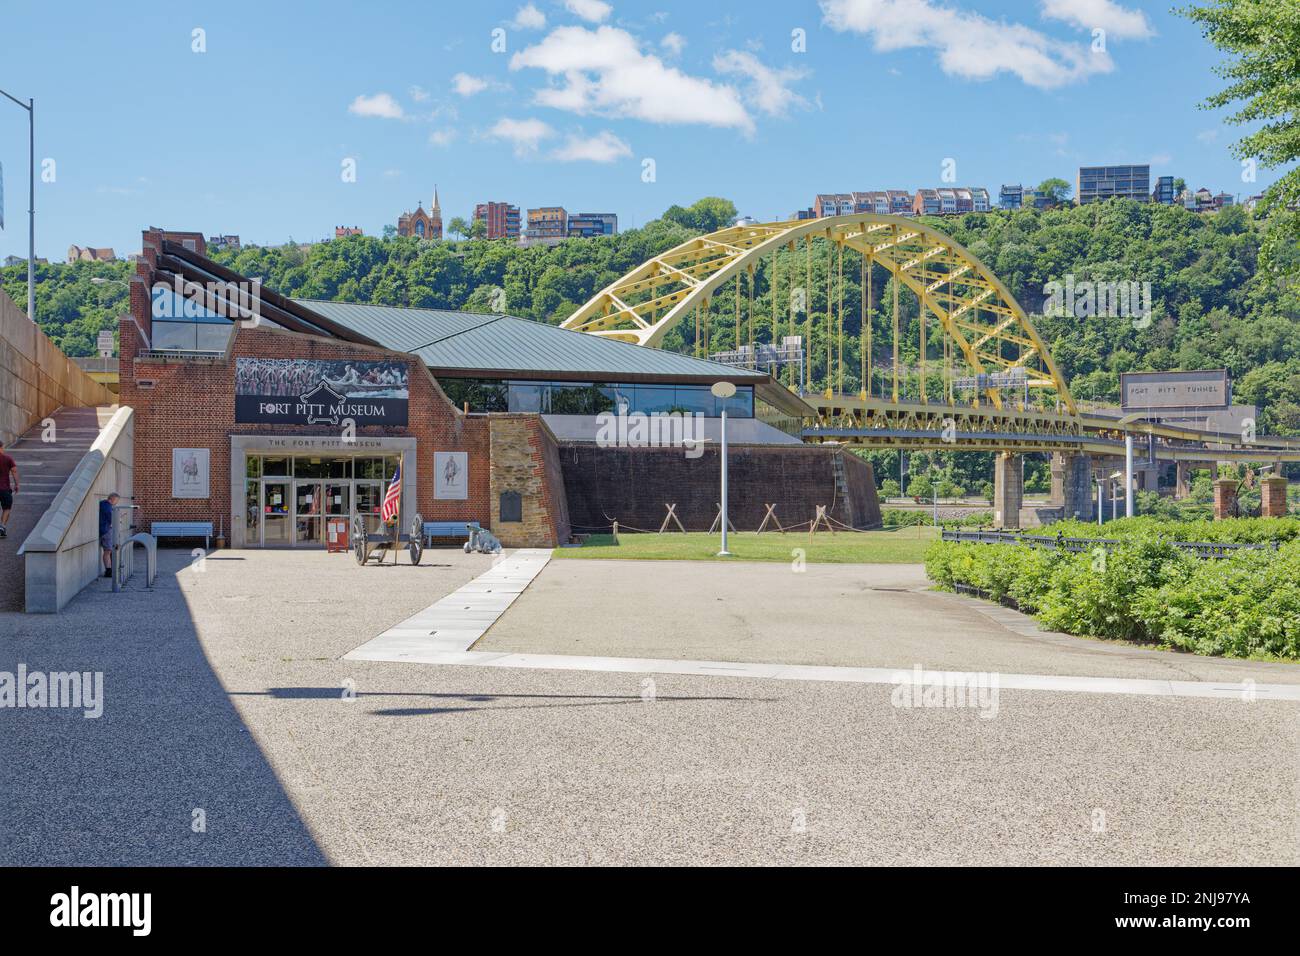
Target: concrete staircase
(43, 467)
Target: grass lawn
(904, 546)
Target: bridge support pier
(1008, 489)
(1272, 497)
(1225, 498)
(1072, 485)
(1182, 480)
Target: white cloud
(674, 43)
(1107, 15)
(605, 147)
(381, 105)
(442, 137)
(418, 93)
(1161, 159)
(594, 11)
(604, 71)
(769, 89)
(524, 135)
(528, 17)
(969, 45)
(467, 85)
(1207, 135)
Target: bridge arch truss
(986, 341)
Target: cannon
(377, 544)
(482, 541)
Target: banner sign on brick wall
(314, 392)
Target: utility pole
(30, 107)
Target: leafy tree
(478, 229)
(458, 227)
(704, 215)
(1055, 190)
(1261, 37)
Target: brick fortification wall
(525, 460)
(632, 486)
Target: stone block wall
(35, 377)
(525, 460)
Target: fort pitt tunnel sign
(310, 392)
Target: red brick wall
(192, 405)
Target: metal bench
(183, 529)
(447, 529)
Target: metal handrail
(1202, 549)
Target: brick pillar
(1008, 490)
(1272, 502)
(1072, 485)
(1225, 498)
(1182, 480)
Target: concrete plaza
(226, 691)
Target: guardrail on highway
(1202, 549)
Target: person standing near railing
(106, 531)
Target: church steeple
(435, 216)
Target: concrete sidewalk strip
(425, 652)
(456, 621)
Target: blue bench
(447, 529)
(183, 529)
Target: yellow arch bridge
(961, 364)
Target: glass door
(308, 524)
(369, 498)
(275, 513)
(338, 498)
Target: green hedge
(1236, 531)
(1143, 590)
(907, 518)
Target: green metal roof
(479, 342)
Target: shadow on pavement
(548, 701)
(128, 788)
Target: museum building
(267, 416)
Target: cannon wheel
(415, 545)
(360, 546)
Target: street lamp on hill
(30, 107)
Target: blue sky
(251, 136)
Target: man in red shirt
(8, 487)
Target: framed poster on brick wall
(190, 472)
(451, 475)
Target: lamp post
(724, 391)
(30, 107)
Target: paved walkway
(829, 615)
(227, 688)
(455, 622)
(42, 469)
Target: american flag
(393, 497)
